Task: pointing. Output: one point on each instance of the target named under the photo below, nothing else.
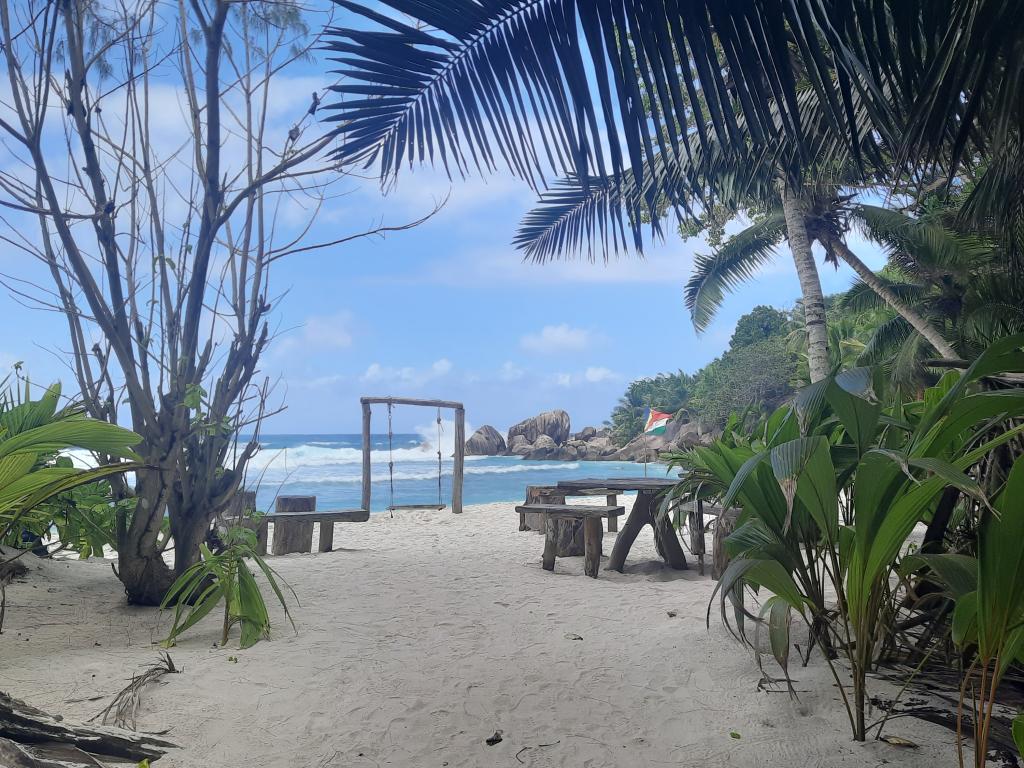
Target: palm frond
(574, 89)
(886, 339)
(735, 262)
(860, 297)
(919, 245)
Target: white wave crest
(381, 477)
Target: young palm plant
(225, 576)
(833, 485)
(32, 434)
(988, 620)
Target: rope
(439, 495)
(391, 463)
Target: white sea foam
(379, 477)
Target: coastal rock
(602, 445)
(486, 441)
(688, 435)
(553, 424)
(641, 448)
(543, 447)
(587, 433)
(519, 446)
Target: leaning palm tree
(823, 216)
(962, 283)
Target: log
(27, 725)
(592, 534)
(723, 527)
(295, 535)
(15, 755)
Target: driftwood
(15, 755)
(32, 728)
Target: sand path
(422, 637)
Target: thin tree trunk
(919, 323)
(810, 285)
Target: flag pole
(645, 450)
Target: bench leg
(326, 536)
(550, 545)
(592, 535)
(292, 536)
(262, 534)
(612, 500)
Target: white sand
(423, 636)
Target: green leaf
(957, 573)
(1017, 729)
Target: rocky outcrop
(519, 446)
(553, 424)
(486, 441)
(547, 436)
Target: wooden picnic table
(644, 512)
(590, 515)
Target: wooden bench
(293, 520)
(592, 530)
(549, 494)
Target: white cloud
(509, 371)
(319, 332)
(556, 338)
(595, 374)
(407, 375)
(562, 380)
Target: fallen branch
(27, 725)
(15, 755)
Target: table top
(620, 483)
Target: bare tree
(146, 140)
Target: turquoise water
(330, 467)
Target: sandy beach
(421, 636)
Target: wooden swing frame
(460, 443)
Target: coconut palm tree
(823, 216)
(964, 284)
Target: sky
(450, 310)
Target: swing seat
(397, 507)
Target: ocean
(330, 467)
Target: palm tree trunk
(810, 285)
(908, 313)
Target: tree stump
(725, 525)
(293, 535)
(568, 534)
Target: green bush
(830, 488)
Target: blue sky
(449, 310)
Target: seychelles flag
(657, 421)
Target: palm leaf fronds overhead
(573, 89)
